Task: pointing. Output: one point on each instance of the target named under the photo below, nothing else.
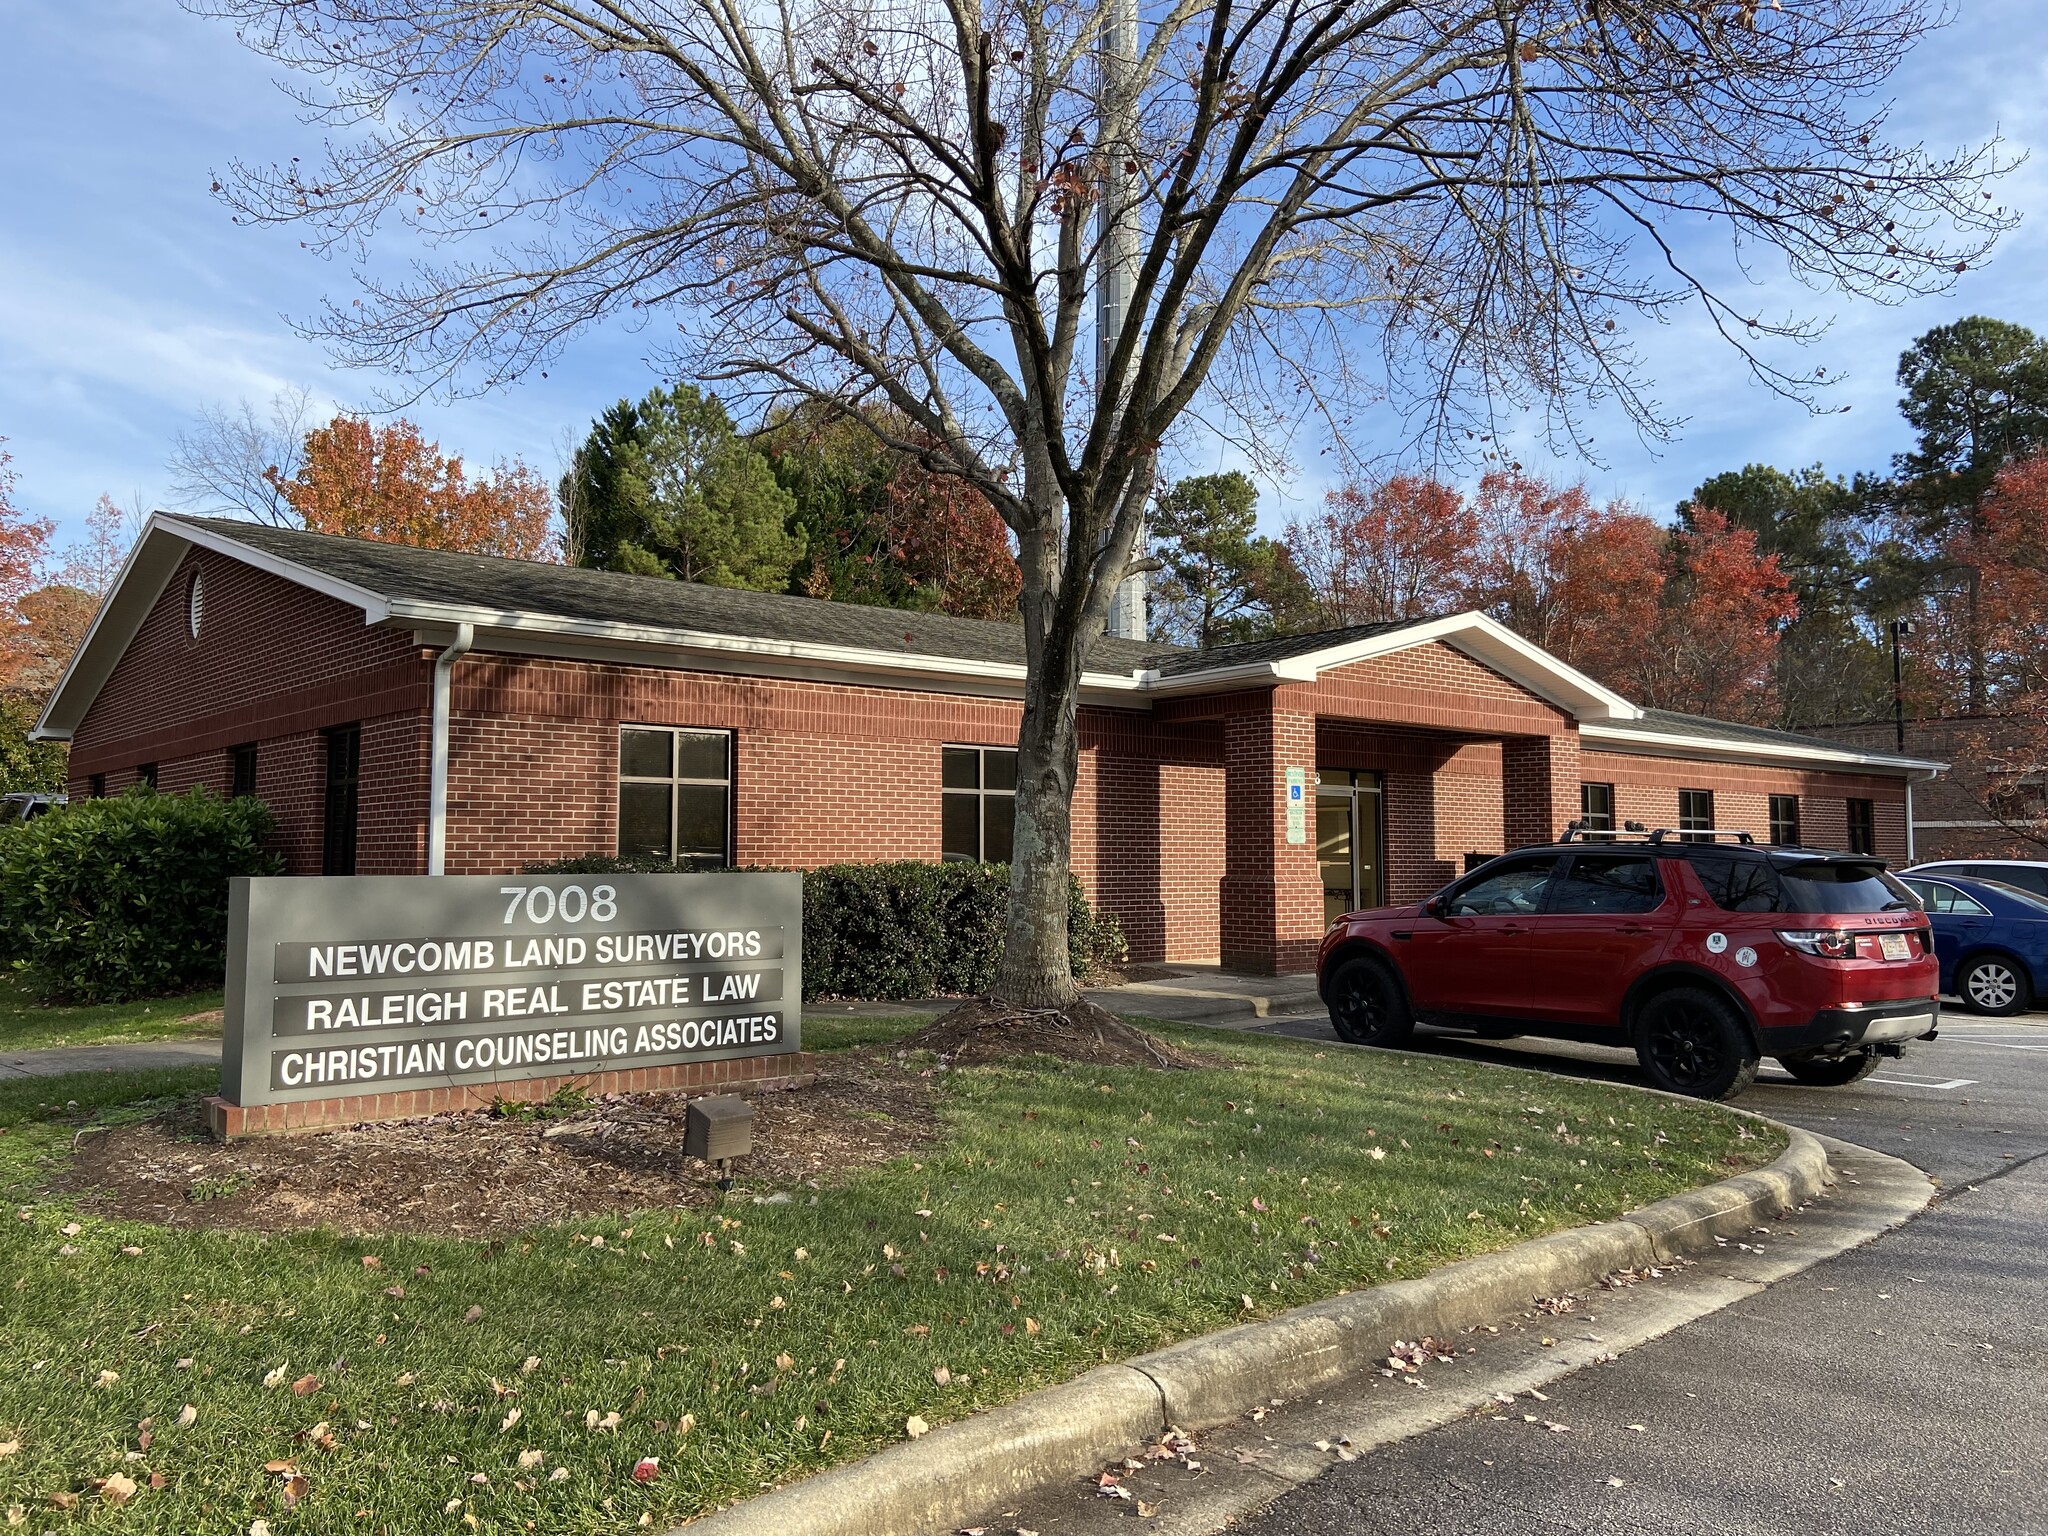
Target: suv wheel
(1690, 1041)
(1366, 1005)
(1832, 1071)
(1993, 984)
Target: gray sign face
(382, 983)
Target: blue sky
(128, 301)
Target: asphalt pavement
(1894, 1389)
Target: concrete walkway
(108, 1058)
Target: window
(1695, 815)
(1607, 882)
(145, 773)
(1596, 808)
(1862, 827)
(1785, 820)
(242, 771)
(1511, 888)
(195, 604)
(1946, 899)
(338, 825)
(675, 794)
(96, 786)
(978, 810)
(1739, 882)
(2028, 877)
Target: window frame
(147, 773)
(1604, 831)
(1691, 833)
(241, 784)
(1859, 817)
(1777, 802)
(675, 780)
(981, 794)
(341, 798)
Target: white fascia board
(1677, 744)
(838, 658)
(374, 605)
(1484, 639)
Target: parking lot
(1892, 1389)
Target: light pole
(1116, 238)
(1898, 629)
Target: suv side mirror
(1434, 907)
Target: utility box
(719, 1128)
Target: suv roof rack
(1578, 832)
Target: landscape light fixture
(719, 1128)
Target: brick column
(1272, 893)
(1539, 786)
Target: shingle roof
(400, 573)
(1677, 723)
(1251, 652)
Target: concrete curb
(933, 1483)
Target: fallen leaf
(108, 1378)
(371, 1261)
(473, 1314)
(941, 1375)
(71, 1229)
(532, 1458)
(9, 1447)
(186, 1416)
(117, 1490)
(274, 1378)
(295, 1489)
(306, 1385)
(1614, 1482)
(529, 1365)
(1031, 1325)
(559, 1475)
(511, 1418)
(915, 1426)
(63, 1498)
(259, 1528)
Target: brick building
(358, 687)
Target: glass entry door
(1348, 840)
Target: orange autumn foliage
(390, 484)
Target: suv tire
(1691, 1041)
(1832, 1071)
(1994, 985)
(1367, 1006)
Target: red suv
(1705, 956)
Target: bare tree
(1427, 202)
(235, 459)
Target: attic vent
(195, 603)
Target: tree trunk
(1036, 971)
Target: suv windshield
(1750, 883)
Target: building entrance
(1348, 840)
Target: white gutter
(1654, 743)
(437, 791)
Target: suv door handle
(1514, 928)
(1634, 930)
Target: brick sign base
(232, 1122)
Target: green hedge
(904, 929)
(106, 900)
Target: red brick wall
(827, 773)
(273, 663)
(1646, 790)
(1272, 892)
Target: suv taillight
(1828, 943)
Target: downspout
(1910, 860)
(437, 785)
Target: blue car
(1991, 940)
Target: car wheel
(1691, 1041)
(1995, 985)
(1832, 1071)
(1366, 1005)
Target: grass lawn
(26, 1025)
(1073, 1214)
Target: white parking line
(2003, 1045)
(1896, 1082)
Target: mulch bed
(988, 1029)
(478, 1175)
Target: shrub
(904, 929)
(107, 900)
